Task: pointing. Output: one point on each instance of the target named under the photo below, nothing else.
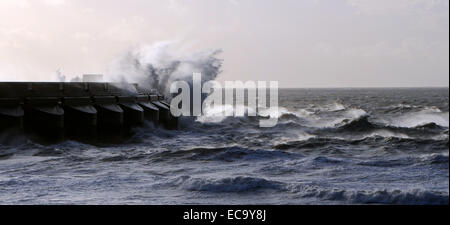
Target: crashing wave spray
(157, 66)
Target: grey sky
(300, 43)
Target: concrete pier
(132, 112)
(80, 117)
(151, 111)
(11, 114)
(58, 110)
(44, 116)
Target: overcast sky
(300, 43)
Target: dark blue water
(331, 146)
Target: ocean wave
(364, 123)
(419, 119)
(330, 107)
(429, 126)
(400, 108)
(414, 142)
(359, 124)
(386, 133)
(424, 159)
(226, 114)
(292, 136)
(29, 148)
(239, 184)
(327, 160)
(396, 197)
(121, 158)
(388, 163)
(435, 158)
(343, 120)
(249, 184)
(226, 154)
(399, 197)
(302, 116)
(311, 143)
(391, 142)
(357, 120)
(429, 119)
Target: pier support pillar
(11, 114)
(132, 112)
(109, 115)
(45, 117)
(165, 116)
(151, 111)
(80, 118)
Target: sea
(330, 147)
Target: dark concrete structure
(58, 109)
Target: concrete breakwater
(59, 110)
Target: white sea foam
(157, 66)
(380, 196)
(420, 118)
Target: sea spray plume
(59, 76)
(157, 66)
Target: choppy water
(331, 146)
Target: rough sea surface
(331, 146)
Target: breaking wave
(240, 184)
(396, 197)
(157, 66)
(359, 124)
(251, 185)
(421, 118)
